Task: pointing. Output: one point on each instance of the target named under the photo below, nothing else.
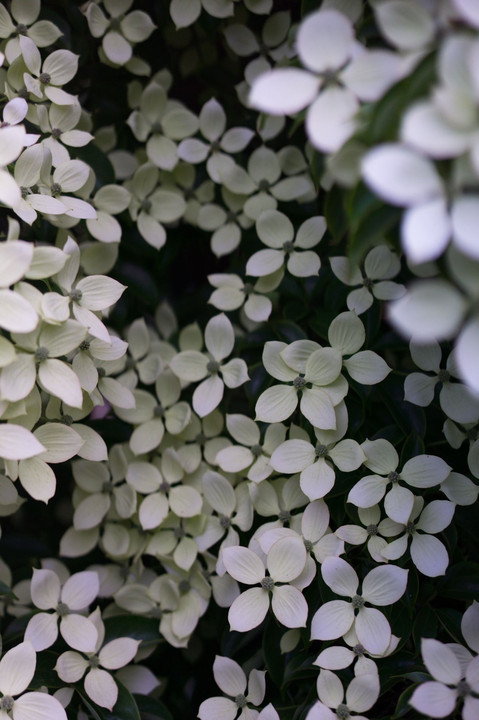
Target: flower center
(107, 486)
(6, 703)
(308, 545)
(101, 372)
(179, 533)
(213, 367)
(367, 283)
(146, 205)
(357, 601)
(248, 289)
(164, 487)
(372, 529)
(267, 583)
(21, 29)
(184, 586)
(463, 688)
(42, 353)
(443, 376)
(358, 650)
(94, 662)
(393, 477)
(263, 185)
(320, 450)
(288, 247)
(410, 528)
(159, 411)
(240, 700)
(284, 515)
(56, 189)
(342, 711)
(115, 24)
(299, 382)
(84, 345)
(76, 295)
(62, 609)
(256, 450)
(67, 420)
(225, 522)
(44, 78)
(200, 438)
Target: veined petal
(284, 91)
(243, 564)
(398, 504)
(229, 676)
(71, 666)
(276, 403)
(429, 555)
(217, 708)
(118, 652)
(248, 610)
(80, 590)
(324, 40)
(79, 632)
(368, 491)
(373, 630)
(208, 395)
(292, 456)
(384, 585)
(340, 576)
(425, 471)
(332, 620)
(317, 407)
(38, 706)
(434, 699)
(45, 589)
(101, 688)
(289, 606)
(42, 630)
(17, 668)
(286, 559)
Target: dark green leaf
(134, 626)
(152, 709)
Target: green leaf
(288, 331)
(425, 626)
(461, 582)
(371, 231)
(5, 590)
(125, 707)
(134, 626)
(272, 651)
(451, 621)
(403, 706)
(334, 212)
(152, 709)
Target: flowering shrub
(239, 377)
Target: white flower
(422, 471)
(242, 692)
(77, 593)
(99, 684)
(285, 562)
(326, 47)
(427, 552)
(192, 365)
(17, 668)
(382, 586)
(277, 232)
(380, 265)
(455, 399)
(361, 694)
(121, 30)
(438, 698)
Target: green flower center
(393, 477)
(342, 711)
(358, 650)
(288, 247)
(463, 688)
(267, 583)
(372, 529)
(443, 376)
(67, 420)
(213, 367)
(225, 522)
(240, 700)
(159, 410)
(115, 24)
(320, 450)
(42, 353)
(184, 586)
(263, 185)
(146, 205)
(6, 703)
(256, 450)
(179, 533)
(85, 344)
(357, 601)
(21, 29)
(44, 78)
(284, 515)
(94, 662)
(308, 545)
(62, 609)
(299, 382)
